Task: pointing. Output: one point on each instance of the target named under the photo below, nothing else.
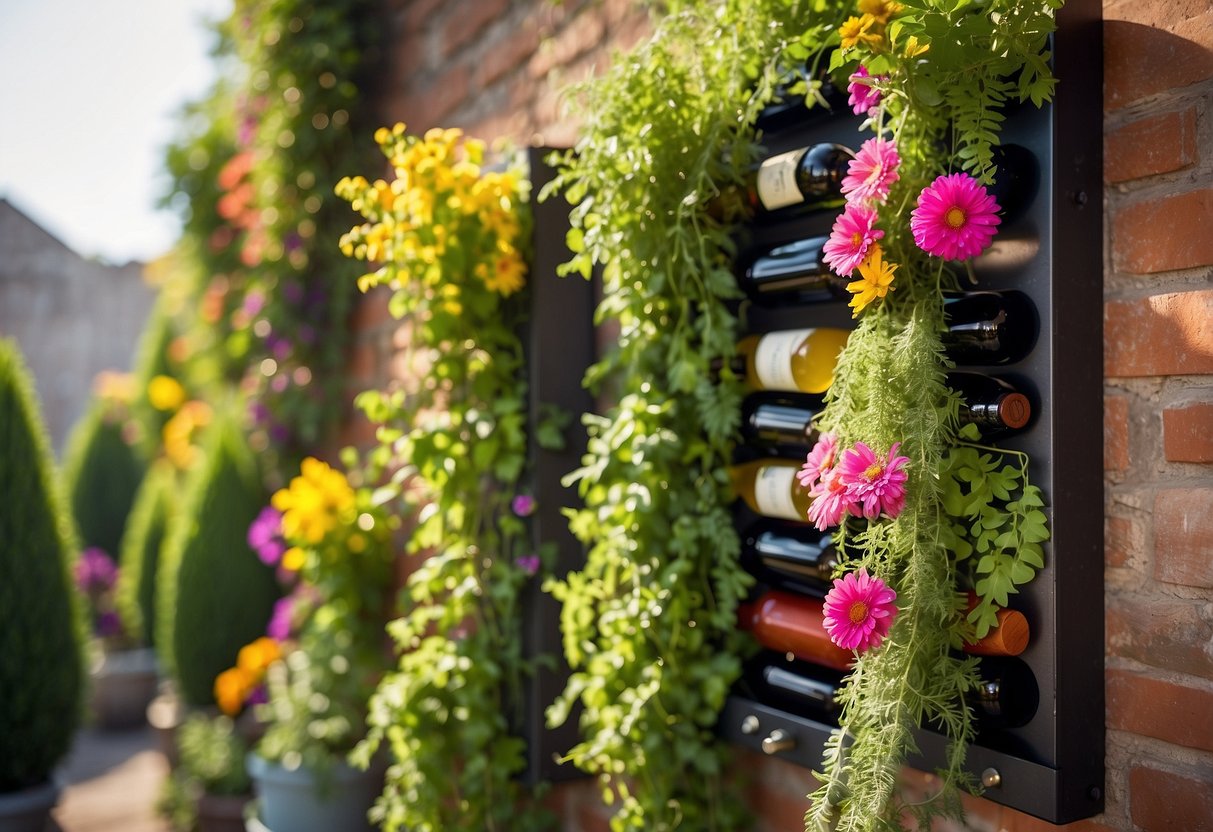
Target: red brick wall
(497, 68)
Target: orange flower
(232, 687)
(258, 655)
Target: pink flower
(871, 172)
(523, 505)
(875, 486)
(853, 234)
(864, 98)
(95, 571)
(529, 564)
(831, 502)
(859, 611)
(819, 462)
(955, 219)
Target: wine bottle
(1007, 696)
(793, 624)
(1009, 637)
(770, 488)
(989, 327)
(780, 421)
(991, 403)
(787, 109)
(791, 556)
(809, 178)
(774, 679)
(793, 273)
(792, 360)
(1016, 180)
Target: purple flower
(95, 571)
(523, 505)
(307, 334)
(107, 623)
(528, 564)
(279, 628)
(265, 536)
(258, 412)
(254, 302)
(864, 98)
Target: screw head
(991, 779)
(750, 725)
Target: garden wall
(496, 68)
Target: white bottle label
(773, 492)
(777, 180)
(773, 359)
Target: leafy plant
(41, 669)
(449, 235)
(139, 557)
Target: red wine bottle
(1016, 180)
(789, 556)
(989, 327)
(809, 178)
(991, 403)
(793, 624)
(793, 273)
(780, 422)
(793, 685)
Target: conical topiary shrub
(139, 557)
(215, 595)
(102, 472)
(40, 624)
(151, 362)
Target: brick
(1160, 800)
(1115, 433)
(1150, 146)
(1161, 632)
(1153, 47)
(1119, 537)
(421, 13)
(1160, 335)
(1187, 433)
(1015, 821)
(363, 362)
(468, 20)
(1164, 234)
(508, 54)
(583, 33)
(371, 310)
(1166, 711)
(426, 107)
(1183, 536)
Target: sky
(89, 92)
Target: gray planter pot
(29, 809)
(123, 683)
(222, 812)
(295, 801)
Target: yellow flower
(880, 10)
(314, 502)
(165, 393)
(913, 49)
(856, 29)
(505, 276)
(293, 559)
(232, 687)
(258, 655)
(179, 432)
(119, 387)
(876, 281)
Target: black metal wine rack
(1052, 767)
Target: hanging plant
(921, 510)
(448, 238)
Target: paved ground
(113, 778)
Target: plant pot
(123, 683)
(28, 810)
(298, 801)
(165, 715)
(222, 812)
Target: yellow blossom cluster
(869, 27)
(181, 432)
(314, 504)
(442, 218)
(234, 685)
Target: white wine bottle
(792, 360)
(809, 178)
(770, 488)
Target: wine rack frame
(1053, 767)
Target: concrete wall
(72, 317)
(495, 68)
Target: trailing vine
(649, 622)
(448, 238)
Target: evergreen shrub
(139, 556)
(214, 594)
(41, 666)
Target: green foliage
(41, 667)
(139, 556)
(212, 754)
(446, 713)
(151, 360)
(214, 595)
(101, 472)
(650, 623)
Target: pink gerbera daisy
(955, 219)
(853, 234)
(831, 502)
(819, 462)
(864, 98)
(859, 611)
(877, 486)
(872, 172)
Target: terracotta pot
(28, 810)
(123, 683)
(222, 812)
